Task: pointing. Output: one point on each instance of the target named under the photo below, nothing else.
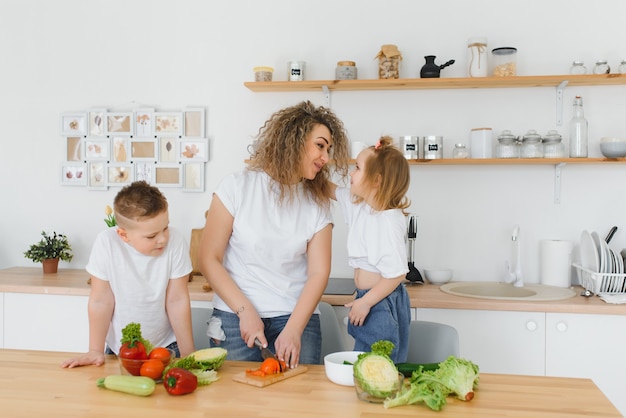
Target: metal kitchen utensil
(609, 236)
(413, 276)
(267, 353)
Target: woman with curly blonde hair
(266, 245)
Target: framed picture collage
(106, 149)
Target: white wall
(69, 55)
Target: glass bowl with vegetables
(152, 365)
(376, 377)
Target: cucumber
(407, 369)
(134, 385)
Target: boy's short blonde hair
(138, 201)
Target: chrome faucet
(513, 271)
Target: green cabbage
(375, 371)
(201, 360)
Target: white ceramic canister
(481, 143)
(477, 57)
(433, 147)
(295, 70)
(409, 145)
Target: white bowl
(338, 372)
(613, 147)
(437, 275)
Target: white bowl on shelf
(613, 147)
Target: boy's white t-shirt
(267, 252)
(375, 238)
(139, 283)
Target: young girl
(373, 208)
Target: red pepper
(134, 350)
(179, 381)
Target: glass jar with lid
(552, 145)
(460, 151)
(622, 67)
(577, 68)
(507, 146)
(601, 67)
(531, 145)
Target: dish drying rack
(596, 282)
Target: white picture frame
(73, 123)
(96, 175)
(168, 175)
(193, 177)
(143, 149)
(144, 122)
(144, 171)
(119, 123)
(120, 149)
(96, 149)
(193, 149)
(74, 148)
(96, 120)
(73, 174)
(119, 175)
(168, 149)
(168, 123)
(194, 122)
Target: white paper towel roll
(556, 262)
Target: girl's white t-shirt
(376, 239)
(267, 252)
(139, 283)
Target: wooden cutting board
(262, 381)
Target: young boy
(139, 272)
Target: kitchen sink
(505, 291)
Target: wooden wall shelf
(439, 83)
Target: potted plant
(49, 251)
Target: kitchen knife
(267, 353)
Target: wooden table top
(74, 282)
(33, 384)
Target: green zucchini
(407, 369)
(134, 385)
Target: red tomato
(152, 368)
(160, 353)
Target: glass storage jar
(504, 62)
(577, 68)
(601, 67)
(531, 145)
(346, 70)
(460, 151)
(622, 67)
(507, 146)
(552, 145)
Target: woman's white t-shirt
(139, 283)
(267, 252)
(375, 238)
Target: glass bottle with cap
(531, 145)
(577, 68)
(552, 145)
(601, 67)
(507, 146)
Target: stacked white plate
(598, 257)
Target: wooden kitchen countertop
(74, 282)
(33, 384)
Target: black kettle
(432, 70)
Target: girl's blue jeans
(389, 319)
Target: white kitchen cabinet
(46, 322)
(497, 341)
(591, 346)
